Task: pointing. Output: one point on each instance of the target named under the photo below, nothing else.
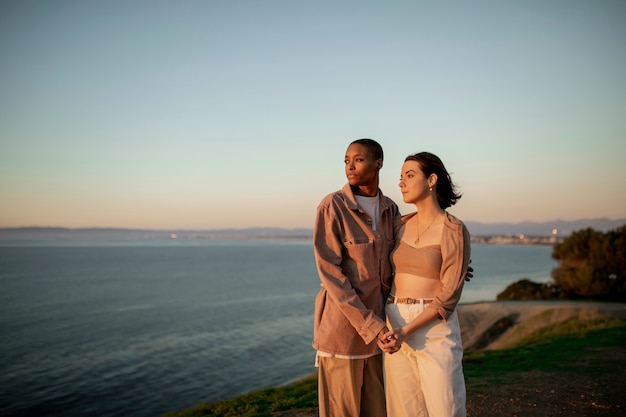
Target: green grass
(299, 395)
(553, 349)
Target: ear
(379, 163)
(432, 180)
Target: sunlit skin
(428, 225)
(362, 170)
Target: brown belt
(396, 300)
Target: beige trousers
(425, 377)
(351, 387)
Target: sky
(233, 114)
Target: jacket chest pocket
(362, 251)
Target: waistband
(395, 300)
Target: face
(413, 183)
(361, 168)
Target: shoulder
(331, 199)
(455, 224)
(456, 227)
(453, 221)
(334, 199)
(402, 220)
(331, 196)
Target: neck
(367, 191)
(428, 208)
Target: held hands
(389, 341)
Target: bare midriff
(414, 286)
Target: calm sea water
(118, 329)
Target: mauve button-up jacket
(355, 273)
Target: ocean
(143, 328)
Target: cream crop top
(424, 262)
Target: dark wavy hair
(374, 147)
(447, 194)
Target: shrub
(592, 265)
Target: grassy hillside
(573, 365)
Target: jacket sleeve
(456, 256)
(329, 252)
(396, 223)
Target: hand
(391, 341)
(382, 335)
(389, 347)
(469, 274)
(385, 341)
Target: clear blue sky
(214, 114)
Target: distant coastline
(516, 240)
(526, 233)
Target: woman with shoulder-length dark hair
(430, 260)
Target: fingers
(389, 343)
(469, 274)
(386, 343)
(390, 348)
(382, 335)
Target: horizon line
(588, 219)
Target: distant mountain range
(562, 227)
(62, 233)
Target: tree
(592, 265)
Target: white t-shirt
(371, 206)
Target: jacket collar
(351, 199)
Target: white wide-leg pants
(425, 377)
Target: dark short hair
(374, 147)
(447, 194)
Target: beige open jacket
(455, 251)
